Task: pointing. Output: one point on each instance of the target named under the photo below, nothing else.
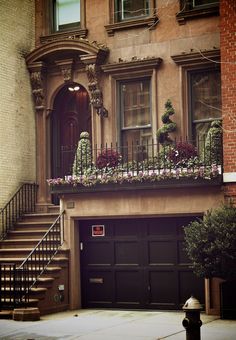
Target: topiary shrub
(212, 153)
(108, 158)
(211, 243)
(83, 156)
(182, 152)
(169, 126)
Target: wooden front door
(71, 116)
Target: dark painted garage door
(136, 263)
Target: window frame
(68, 26)
(50, 34)
(187, 10)
(114, 26)
(121, 102)
(117, 10)
(132, 70)
(195, 61)
(193, 121)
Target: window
(135, 110)
(66, 14)
(130, 14)
(190, 9)
(129, 9)
(197, 3)
(204, 100)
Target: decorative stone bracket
(96, 93)
(37, 82)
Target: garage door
(136, 263)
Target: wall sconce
(73, 88)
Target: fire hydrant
(192, 322)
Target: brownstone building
(109, 68)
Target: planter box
(145, 185)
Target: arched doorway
(71, 115)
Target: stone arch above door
(51, 65)
(67, 56)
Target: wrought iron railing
(8, 291)
(23, 201)
(16, 282)
(135, 156)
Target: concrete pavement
(92, 324)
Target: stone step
(19, 252)
(26, 234)
(28, 243)
(19, 243)
(35, 217)
(31, 302)
(34, 292)
(34, 225)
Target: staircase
(47, 291)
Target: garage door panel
(162, 227)
(163, 290)
(126, 228)
(128, 287)
(127, 253)
(161, 252)
(99, 290)
(98, 253)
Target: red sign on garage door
(98, 230)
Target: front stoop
(26, 314)
(15, 248)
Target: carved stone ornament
(96, 93)
(37, 88)
(66, 73)
(66, 68)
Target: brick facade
(228, 71)
(17, 119)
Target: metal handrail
(42, 254)
(23, 201)
(27, 274)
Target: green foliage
(212, 153)
(169, 126)
(83, 156)
(211, 243)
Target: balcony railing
(112, 163)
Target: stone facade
(17, 119)
(97, 57)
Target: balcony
(138, 166)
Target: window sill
(72, 34)
(148, 22)
(182, 16)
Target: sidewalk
(91, 324)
